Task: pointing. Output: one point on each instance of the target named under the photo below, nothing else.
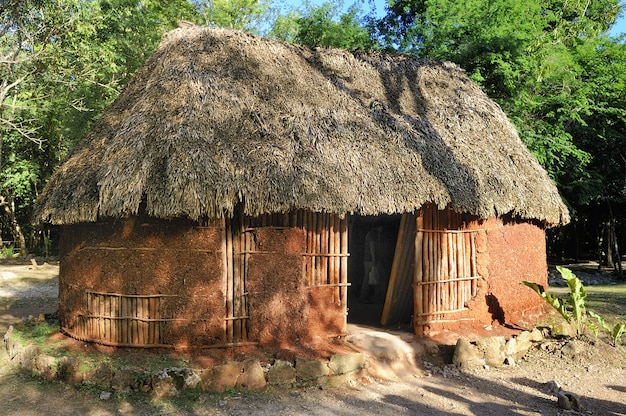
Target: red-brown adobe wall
(285, 312)
(139, 257)
(516, 252)
(178, 258)
(507, 252)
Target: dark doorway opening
(365, 306)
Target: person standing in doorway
(372, 265)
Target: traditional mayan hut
(211, 205)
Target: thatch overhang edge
(216, 117)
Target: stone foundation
(250, 374)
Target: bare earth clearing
(597, 374)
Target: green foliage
(66, 62)
(615, 332)
(554, 301)
(6, 252)
(571, 309)
(36, 333)
(325, 25)
(525, 54)
(286, 27)
(234, 14)
(550, 65)
(576, 301)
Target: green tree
(62, 63)
(551, 68)
(326, 25)
(234, 14)
(29, 30)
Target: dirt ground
(597, 374)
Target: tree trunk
(612, 242)
(18, 236)
(609, 237)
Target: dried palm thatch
(217, 117)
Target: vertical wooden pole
(418, 288)
(317, 248)
(100, 319)
(337, 259)
(300, 223)
(233, 270)
(151, 323)
(146, 323)
(107, 321)
(158, 324)
(323, 248)
(249, 246)
(435, 262)
(138, 316)
(460, 262)
(426, 261)
(344, 261)
(127, 321)
(238, 246)
(226, 273)
(443, 264)
(122, 321)
(139, 321)
(331, 250)
(309, 244)
(131, 320)
(313, 247)
(89, 313)
(453, 286)
(473, 266)
(112, 320)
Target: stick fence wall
(141, 320)
(446, 276)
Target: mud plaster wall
(147, 257)
(515, 251)
(284, 311)
(507, 252)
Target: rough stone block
(99, 376)
(218, 379)
(27, 357)
(344, 379)
(510, 348)
(67, 370)
(573, 349)
(492, 349)
(125, 379)
(170, 382)
(281, 373)
(467, 355)
(524, 341)
(536, 335)
(163, 385)
(47, 366)
(252, 377)
(346, 363)
(307, 370)
(562, 329)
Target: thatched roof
(216, 117)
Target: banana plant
(615, 332)
(571, 309)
